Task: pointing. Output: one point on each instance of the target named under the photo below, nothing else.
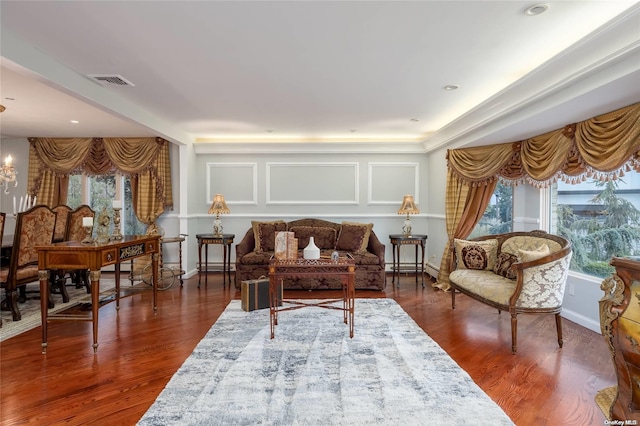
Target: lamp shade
(408, 206)
(219, 206)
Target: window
(497, 217)
(601, 219)
(100, 192)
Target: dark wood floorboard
(140, 351)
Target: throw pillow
(354, 237)
(323, 237)
(531, 255)
(504, 265)
(476, 254)
(265, 234)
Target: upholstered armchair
(4, 271)
(518, 272)
(75, 232)
(34, 227)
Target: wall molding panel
(238, 182)
(312, 183)
(388, 182)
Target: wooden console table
(76, 255)
(343, 268)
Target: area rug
(30, 310)
(312, 373)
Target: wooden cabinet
(620, 325)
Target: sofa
(256, 249)
(518, 272)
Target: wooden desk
(205, 239)
(398, 240)
(75, 255)
(344, 268)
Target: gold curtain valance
(599, 148)
(145, 160)
(97, 156)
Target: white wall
(336, 187)
(19, 151)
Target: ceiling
(313, 71)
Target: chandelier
(8, 174)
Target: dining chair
(4, 271)
(62, 216)
(76, 232)
(59, 277)
(34, 227)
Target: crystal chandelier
(8, 174)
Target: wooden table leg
(43, 276)
(94, 276)
(199, 261)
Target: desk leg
(199, 262)
(117, 272)
(43, 276)
(206, 265)
(94, 276)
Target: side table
(398, 240)
(205, 239)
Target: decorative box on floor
(254, 294)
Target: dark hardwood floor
(140, 351)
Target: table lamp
(218, 207)
(408, 207)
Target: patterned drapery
(144, 160)
(601, 148)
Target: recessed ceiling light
(414, 119)
(10, 99)
(269, 131)
(74, 122)
(353, 130)
(451, 87)
(536, 9)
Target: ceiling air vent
(110, 79)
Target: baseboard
(582, 320)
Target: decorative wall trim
(321, 183)
(407, 180)
(231, 178)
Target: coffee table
(343, 268)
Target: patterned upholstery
(62, 215)
(4, 271)
(538, 286)
(370, 264)
(75, 231)
(34, 227)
